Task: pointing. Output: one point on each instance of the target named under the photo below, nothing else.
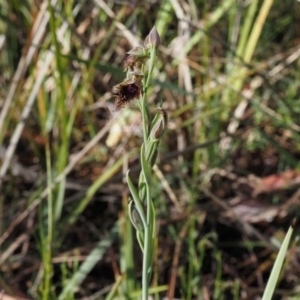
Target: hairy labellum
(128, 90)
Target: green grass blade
(269, 291)
(90, 262)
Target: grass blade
(90, 262)
(269, 291)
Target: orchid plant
(139, 66)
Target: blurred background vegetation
(227, 180)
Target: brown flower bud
(152, 39)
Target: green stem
(145, 281)
(144, 105)
(151, 65)
(145, 128)
(147, 261)
(148, 227)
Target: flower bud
(152, 39)
(134, 216)
(160, 125)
